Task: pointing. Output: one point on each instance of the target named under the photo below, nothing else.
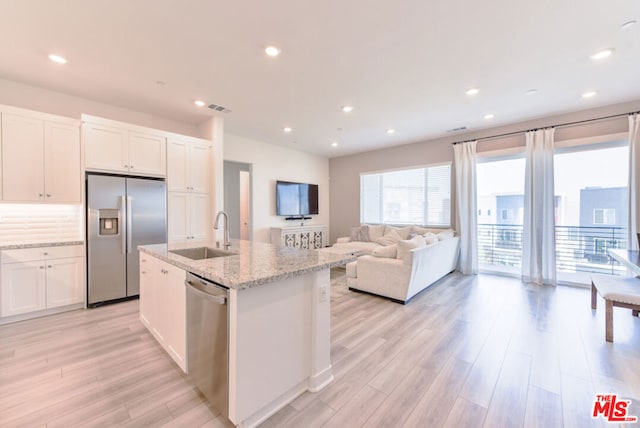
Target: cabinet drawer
(41, 253)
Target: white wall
(269, 164)
(345, 170)
(43, 100)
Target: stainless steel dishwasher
(207, 340)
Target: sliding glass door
(591, 210)
(500, 187)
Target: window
(410, 196)
(604, 216)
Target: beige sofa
(402, 277)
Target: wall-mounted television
(296, 199)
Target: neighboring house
(603, 221)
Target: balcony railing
(578, 249)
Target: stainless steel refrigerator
(122, 213)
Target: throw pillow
(360, 233)
(430, 238)
(406, 245)
(402, 231)
(422, 230)
(387, 252)
(376, 231)
(445, 234)
(389, 238)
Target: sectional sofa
(399, 262)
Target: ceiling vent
(458, 129)
(216, 107)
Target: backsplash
(40, 223)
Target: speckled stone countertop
(39, 245)
(252, 264)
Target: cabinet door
(173, 302)
(147, 154)
(177, 166)
(178, 216)
(22, 158)
(199, 175)
(23, 287)
(200, 223)
(105, 148)
(62, 176)
(149, 268)
(65, 282)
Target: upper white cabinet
(188, 166)
(188, 217)
(118, 149)
(62, 172)
(40, 159)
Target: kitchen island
(278, 318)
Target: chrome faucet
(226, 244)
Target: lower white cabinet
(163, 302)
(41, 278)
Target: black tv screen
(296, 199)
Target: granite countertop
(253, 263)
(39, 245)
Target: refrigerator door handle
(123, 207)
(129, 223)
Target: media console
(306, 237)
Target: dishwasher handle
(206, 292)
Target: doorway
(237, 199)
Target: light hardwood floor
(468, 352)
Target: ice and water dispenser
(108, 222)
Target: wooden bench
(616, 291)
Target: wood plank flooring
(480, 351)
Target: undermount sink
(201, 253)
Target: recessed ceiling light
(287, 129)
(58, 59)
(390, 131)
(334, 144)
(628, 24)
(347, 109)
(530, 92)
(488, 116)
(272, 51)
(472, 91)
(589, 94)
(602, 54)
(200, 103)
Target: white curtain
(634, 176)
(466, 220)
(538, 235)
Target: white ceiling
(402, 64)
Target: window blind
(40, 223)
(420, 196)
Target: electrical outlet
(324, 290)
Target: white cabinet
(65, 281)
(115, 149)
(163, 301)
(23, 288)
(40, 160)
(188, 166)
(62, 172)
(188, 217)
(41, 278)
(306, 237)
